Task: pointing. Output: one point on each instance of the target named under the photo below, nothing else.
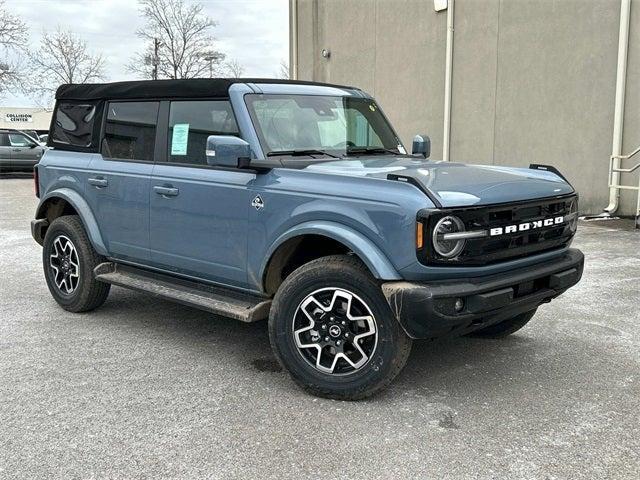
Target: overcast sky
(254, 32)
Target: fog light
(459, 305)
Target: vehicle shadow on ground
(14, 175)
(457, 366)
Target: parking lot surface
(145, 388)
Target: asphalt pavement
(143, 388)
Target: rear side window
(130, 130)
(4, 140)
(73, 124)
(191, 122)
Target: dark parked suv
(18, 151)
(296, 202)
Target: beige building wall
(25, 118)
(533, 80)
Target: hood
(455, 184)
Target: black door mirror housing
(421, 146)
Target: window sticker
(180, 139)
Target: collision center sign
(18, 118)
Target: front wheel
(332, 329)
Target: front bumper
(427, 310)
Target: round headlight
(448, 248)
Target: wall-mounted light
(326, 53)
(440, 5)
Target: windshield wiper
(371, 150)
(299, 153)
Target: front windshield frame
(387, 140)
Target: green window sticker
(180, 139)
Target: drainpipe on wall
(447, 80)
(618, 116)
(293, 39)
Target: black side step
(221, 301)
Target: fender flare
(84, 211)
(375, 260)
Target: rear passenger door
(118, 181)
(198, 214)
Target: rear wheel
(504, 328)
(68, 260)
(332, 329)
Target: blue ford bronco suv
(297, 202)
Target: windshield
(321, 125)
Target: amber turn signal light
(419, 235)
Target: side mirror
(32, 145)
(228, 151)
(421, 145)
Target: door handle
(98, 182)
(166, 191)
(17, 149)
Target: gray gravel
(144, 388)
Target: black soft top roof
(185, 88)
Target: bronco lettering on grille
(522, 227)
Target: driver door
(24, 152)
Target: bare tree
(180, 33)
(234, 69)
(13, 38)
(63, 57)
(284, 70)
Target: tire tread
(93, 293)
(346, 265)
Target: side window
(19, 140)
(4, 140)
(191, 122)
(73, 124)
(130, 130)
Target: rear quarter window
(73, 124)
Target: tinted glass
(191, 122)
(74, 124)
(4, 140)
(130, 130)
(19, 140)
(31, 133)
(331, 124)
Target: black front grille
(491, 249)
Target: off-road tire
(89, 293)
(504, 328)
(340, 272)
